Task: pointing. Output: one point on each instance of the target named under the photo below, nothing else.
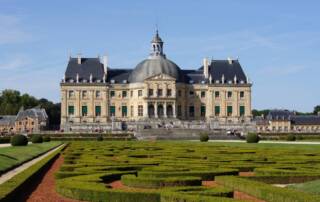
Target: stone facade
(284, 121)
(94, 96)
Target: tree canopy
(11, 101)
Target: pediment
(160, 77)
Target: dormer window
(242, 82)
(229, 82)
(124, 81)
(217, 81)
(191, 81)
(71, 80)
(203, 82)
(98, 81)
(112, 81)
(84, 81)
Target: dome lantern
(157, 46)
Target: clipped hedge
(46, 138)
(19, 140)
(264, 191)
(252, 138)
(36, 138)
(142, 182)
(204, 137)
(291, 137)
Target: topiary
(204, 137)
(36, 138)
(99, 138)
(46, 139)
(19, 140)
(291, 137)
(252, 138)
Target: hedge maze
(185, 171)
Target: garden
(174, 171)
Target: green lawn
(309, 187)
(13, 156)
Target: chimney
(229, 60)
(79, 59)
(105, 64)
(205, 68)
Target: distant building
(287, 121)
(157, 90)
(7, 124)
(31, 120)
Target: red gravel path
(45, 191)
(246, 197)
(246, 174)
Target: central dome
(154, 66)
(157, 63)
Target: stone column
(145, 110)
(174, 110)
(165, 110)
(156, 109)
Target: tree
(316, 109)
(11, 101)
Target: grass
(13, 156)
(309, 187)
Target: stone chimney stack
(205, 68)
(105, 64)
(79, 59)
(230, 60)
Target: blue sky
(277, 42)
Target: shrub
(291, 137)
(252, 138)
(299, 137)
(204, 137)
(46, 139)
(36, 138)
(19, 140)
(99, 138)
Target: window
(84, 110)
(150, 92)
(169, 93)
(124, 111)
(98, 110)
(98, 94)
(191, 111)
(217, 110)
(32, 123)
(139, 93)
(229, 94)
(191, 93)
(131, 93)
(179, 93)
(131, 111)
(159, 92)
(179, 110)
(229, 110)
(203, 111)
(112, 93)
(71, 93)
(242, 110)
(71, 110)
(241, 94)
(216, 94)
(124, 93)
(140, 110)
(84, 94)
(203, 94)
(112, 110)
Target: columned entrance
(169, 111)
(160, 111)
(151, 111)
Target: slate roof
(7, 120)
(305, 120)
(284, 115)
(87, 67)
(229, 70)
(34, 113)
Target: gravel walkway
(8, 175)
